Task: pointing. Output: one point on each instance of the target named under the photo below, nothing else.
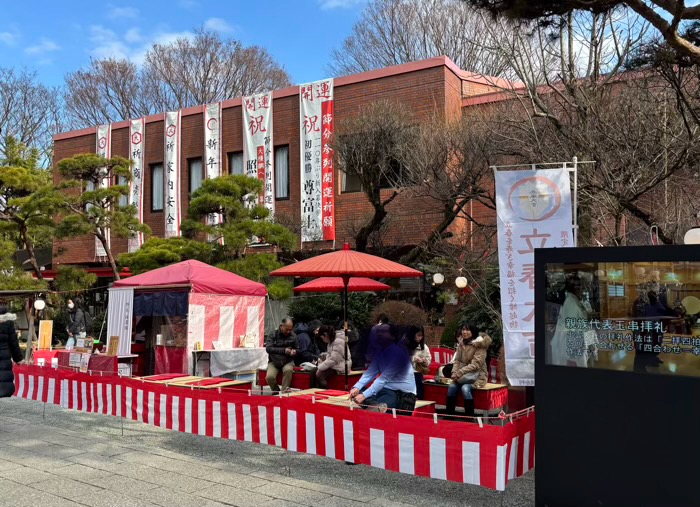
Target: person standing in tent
(9, 351)
(281, 348)
(77, 325)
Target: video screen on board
(626, 316)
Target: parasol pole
(346, 281)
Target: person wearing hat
(9, 351)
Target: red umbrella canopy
(347, 263)
(335, 284)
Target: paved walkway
(52, 457)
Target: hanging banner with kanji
(534, 211)
(257, 145)
(172, 174)
(104, 149)
(212, 150)
(136, 153)
(317, 173)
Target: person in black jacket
(306, 334)
(281, 348)
(9, 351)
(77, 326)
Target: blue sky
(55, 37)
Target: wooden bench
(301, 379)
(488, 400)
(338, 381)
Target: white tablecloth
(222, 362)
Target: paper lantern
(461, 282)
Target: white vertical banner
(314, 99)
(534, 211)
(212, 149)
(103, 149)
(258, 158)
(171, 168)
(120, 315)
(136, 153)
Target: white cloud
(340, 4)
(43, 47)
(218, 25)
(133, 35)
(188, 4)
(9, 38)
(132, 46)
(123, 12)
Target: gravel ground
(52, 457)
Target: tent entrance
(160, 331)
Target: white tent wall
(226, 319)
(120, 317)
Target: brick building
(428, 88)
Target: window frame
(189, 174)
(152, 168)
(289, 172)
(229, 155)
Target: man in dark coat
(281, 347)
(9, 351)
(308, 351)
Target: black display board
(617, 376)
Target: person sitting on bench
(332, 362)
(392, 372)
(469, 368)
(281, 347)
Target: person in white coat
(332, 362)
(572, 342)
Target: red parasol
(347, 264)
(336, 284)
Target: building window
(195, 168)
(157, 187)
(396, 174)
(235, 162)
(351, 183)
(124, 199)
(282, 173)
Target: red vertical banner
(328, 171)
(261, 172)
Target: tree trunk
(110, 257)
(380, 213)
(618, 230)
(29, 247)
(362, 238)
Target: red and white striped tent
(221, 306)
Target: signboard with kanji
(258, 156)
(136, 154)
(316, 123)
(172, 209)
(534, 211)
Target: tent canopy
(201, 277)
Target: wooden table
(422, 406)
(214, 383)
